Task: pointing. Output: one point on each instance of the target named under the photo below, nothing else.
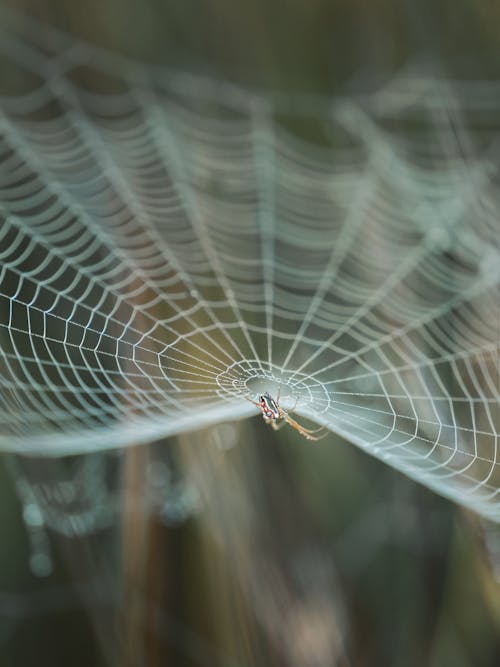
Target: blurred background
(238, 546)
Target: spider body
(270, 408)
(274, 415)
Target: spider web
(170, 244)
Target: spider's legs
(278, 401)
(277, 427)
(307, 433)
(257, 405)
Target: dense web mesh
(171, 244)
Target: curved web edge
(161, 253)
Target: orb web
(171, 244)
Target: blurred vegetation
(301, 554)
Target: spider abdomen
(269, 407)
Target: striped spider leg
(274, 415)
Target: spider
(272, 413)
